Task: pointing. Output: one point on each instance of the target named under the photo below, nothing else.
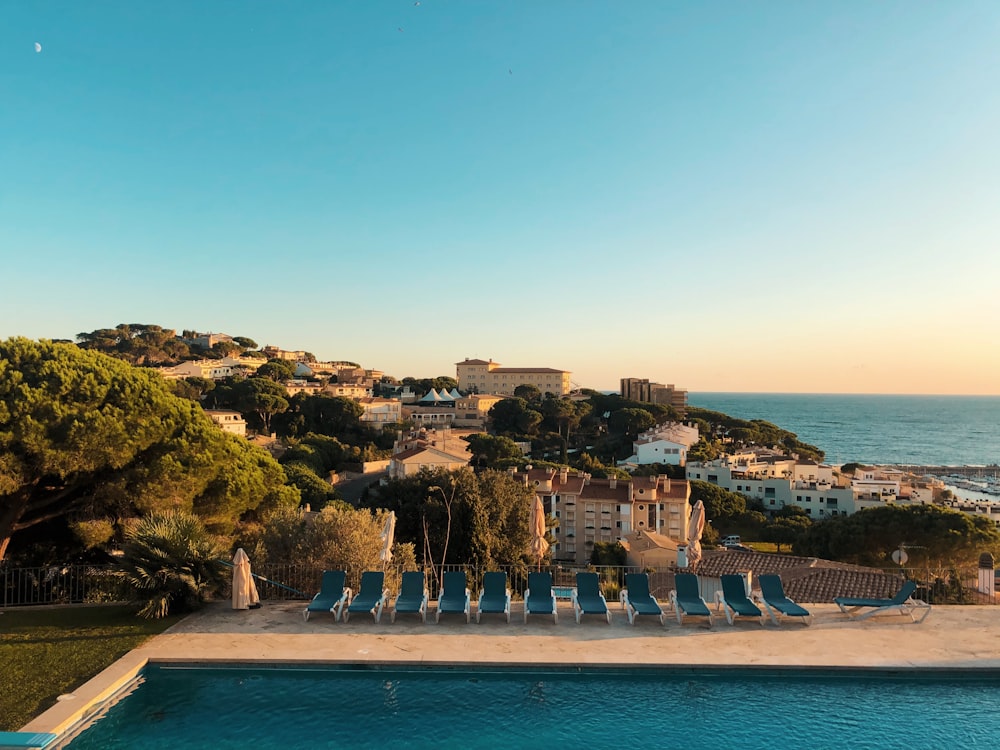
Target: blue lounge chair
(734, 600)
(332, 595)
(495, 596)
(539, 598)
(371, 598)
(902, 603)
(772, 595)
(686, 598)
(412, 599)
(588, 599)
(637, 600)
(454, 598)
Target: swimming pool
(180, 707)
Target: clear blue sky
(763, 196)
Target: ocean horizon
(930, 430)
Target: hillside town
(647, 515)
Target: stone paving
(952, 638)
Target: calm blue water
(925, 430)
(273, 708)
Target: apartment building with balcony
(590, 510)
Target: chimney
(586, 478)
(613, 482)
(563, 474)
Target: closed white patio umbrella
(539, 545)
(388, 533)
(244, 589)
(696, 524)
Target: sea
(877, 429)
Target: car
(731, 541)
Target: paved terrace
(952, 637)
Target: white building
(664, 444)
(779, 481)
(229, 421)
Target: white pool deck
(951, 638)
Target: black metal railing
(92, 584)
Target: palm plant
(172, 562)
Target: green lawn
(47, 652)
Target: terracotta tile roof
(604, 492)
(805, 579)
(823, 584)
(528, 369)
(474, 362)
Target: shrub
(172, 563)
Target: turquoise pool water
(436, 708)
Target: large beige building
(589, 510)
(482, 376)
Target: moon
(38, 47)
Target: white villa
(664, 444)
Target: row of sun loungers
(587, 599)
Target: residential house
(647, 549)
(348, 390)
(667, 443)
(230, 421)
(410, 461)
(380, 411)
(474, 410)
(308, 387)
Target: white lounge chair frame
(909, 607)
(732, 614)
(578, 610)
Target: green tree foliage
(786, 527)
(593, 466)
(222, 349)
(609, 553)
(137, 343)
(714, 427)
(529, 393)
(337, 538)
(314, 491)
(720, 504)
(192, 388)
(469, 518)
(89, 436)
(259, 399)
(172, 562)
(491, 450)
(630, 422)
(562, 415)
(932, 534)
(513, 417)
(422, 386)
(278, 370)
(244, 342)
(327, 415)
